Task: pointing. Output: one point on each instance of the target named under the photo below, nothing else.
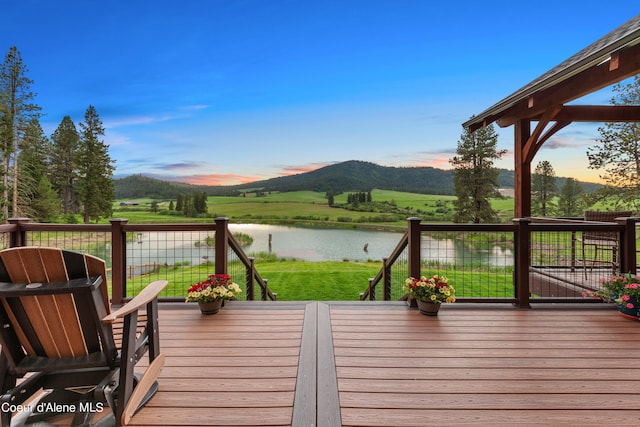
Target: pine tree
(17, 111)
(200, 202)
(64, 152)
(46, 206)
(95, 188)
(34, 166)
(475, 178)
(330, 199)
(570, 201)
(617, 154)
(543, 189)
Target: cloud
(159, 117)
(183, 166)
(217, 179)
(137, 120)
(206, 179)
(195, 107)
(434, 159)
(295, 170)
(113, 139)
(558, 142)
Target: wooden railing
(533, 275)
(529, 238)
(384, 274)
(115, 234)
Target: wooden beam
(598, 113)
(531, 146)
(581, 84)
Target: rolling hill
(352, 175)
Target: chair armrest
(150, 292)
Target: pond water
(319, 244)
(309, 244)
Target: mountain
(337, 178)
(353, 175)
(361, 176)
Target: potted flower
(430, 293)
(624, 290)
(210, 293)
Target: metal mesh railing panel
(477, 264)
(180, 257)
(399, 273)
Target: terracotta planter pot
(210, 307)
(428, 308)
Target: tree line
(46, 177)
(191, 204)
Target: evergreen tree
(200, 202)
(330, 199)
(34, 165)
(543, 189)
(187, 206)
(475, 178)
(64, 152)
(180, 202)
(570, 201)
(95, 186)
(46, 206)
(171, 207)
(17, 111)
(617, 153)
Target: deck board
(382, 365)
(486, 367)
(235, 368)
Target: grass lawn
(309, 206)
(323, 281)
(291, 280)
(296, 280)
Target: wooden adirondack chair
(60, 335)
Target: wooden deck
(382, 364)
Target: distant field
(310, 206)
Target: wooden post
(522, 168)
(522, 239)
(118, 260)
(251, 269)
(18, 237)
(628, 245)
(414, 247)
(222, 244)
(386, 277)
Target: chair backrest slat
(96, 266)
(60, 325)
(13, 312)
(603, 216)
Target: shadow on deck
(382, 364)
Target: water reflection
(319, 244)
(305, 243)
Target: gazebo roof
(577, 76)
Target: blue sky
(226, 92)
